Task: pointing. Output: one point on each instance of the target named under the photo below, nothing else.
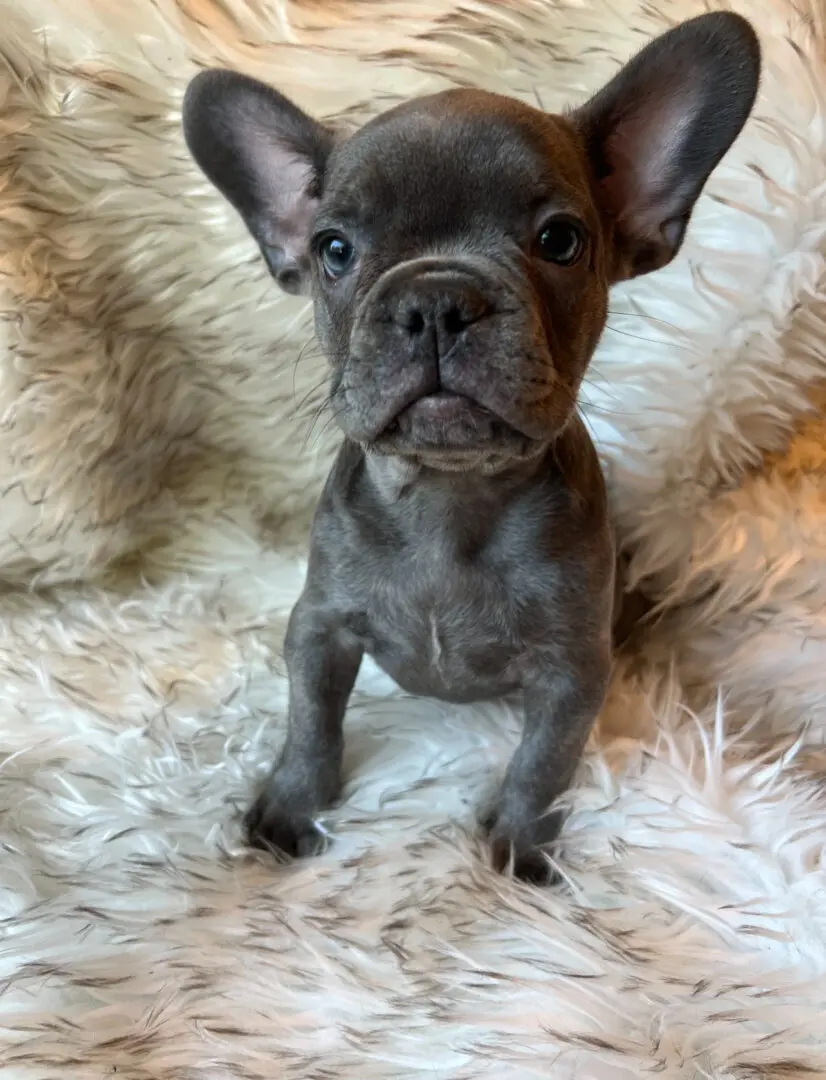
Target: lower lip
(441, 406)
(445, 418)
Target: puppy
(459, 250)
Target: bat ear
(658, 129)
(266, 157)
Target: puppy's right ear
(266, 157)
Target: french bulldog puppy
(459, 250)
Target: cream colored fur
(161, 447)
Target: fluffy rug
(161, 444)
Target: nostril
(454, 321)
(435, 307)
(415, 322)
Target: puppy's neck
(393, 475)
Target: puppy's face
(460, 248)
(460, 279)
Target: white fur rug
(158, 457)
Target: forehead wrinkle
(426, 166)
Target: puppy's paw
(273, 826)
(520, 849)
(528, 864)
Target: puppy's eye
(560, 241)
(336, 254)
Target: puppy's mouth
(444, 422)
(442, 410)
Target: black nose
(437, 308)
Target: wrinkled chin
(486, 461)
(487, 457)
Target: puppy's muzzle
(427, 314)
(446, 354)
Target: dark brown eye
(560, 241)
(336, 254)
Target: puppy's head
(460, 248)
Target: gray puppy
(459, 250)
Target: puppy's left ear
(266, 157)
(657, 130)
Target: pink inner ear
(295, 214)
(641, 190)
(285, 181)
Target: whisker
(643, 315)
(593, 407)
(310, 418)
(313, 390)
(586, 422)
(601, 410)
(601, 388)
(308, 433)
(325, 427)
(302, 352)
(647, 340)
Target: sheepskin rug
(162, 441)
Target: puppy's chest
(445, 626)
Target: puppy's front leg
(322, 664)
(561, 705)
